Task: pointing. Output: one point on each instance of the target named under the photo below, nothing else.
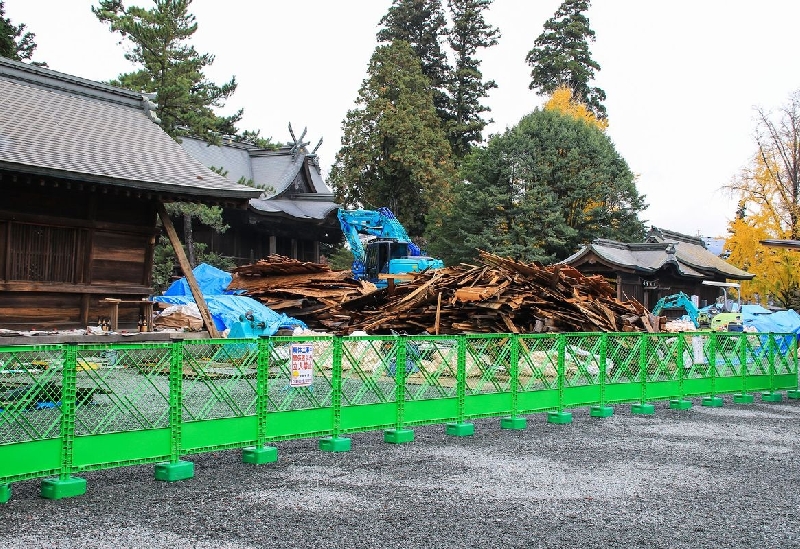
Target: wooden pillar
(294, 248)
(183, 261)
(273, 245)
(619, 287)
(316, 251)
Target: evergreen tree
(467, 87)
(538, 192)
(394, 152)
(422, 24)
(171, 68)
(15, 43)
(561, 56)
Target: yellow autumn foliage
(562, 101)
(763, 216)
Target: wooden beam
(183, 261)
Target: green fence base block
(793, 394)
(601, 411)
(259, 455)
(460, 429)
(680, 404)
(513, 423)
(335, 444)
(58, 488)
(771, 397)
(398, 436)
(5, 493)
(743, 398)
(643, 409)
(173, 472)
(713, 402)
(559, 418)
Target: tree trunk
(188, 237)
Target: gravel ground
(706, 477)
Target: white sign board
(302, 364)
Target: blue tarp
(212, 281)
(225, 308)
(763, 320)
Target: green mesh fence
(75, 407)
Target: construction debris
(498, 295)
(297, 288)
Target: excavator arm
(678, 301)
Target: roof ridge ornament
(297, 144)
(150, 107)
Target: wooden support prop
(438, 313)
(183, 261)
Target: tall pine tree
(423, 25)
(173, 70)
(171, 67)
(467, 87)
(561, 57)
(15, 42)
(394, 152)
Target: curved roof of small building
(289, 177)
(686, 254)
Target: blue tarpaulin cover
(787, 322)
(225, 308)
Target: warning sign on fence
(302, 366)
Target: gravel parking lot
(706, 477)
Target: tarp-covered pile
(225, 307)
(764, 320)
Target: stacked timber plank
(497, 295)
(297, 288)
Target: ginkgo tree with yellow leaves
(563, 100)
(768, 190)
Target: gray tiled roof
(690, 259)
(299, 207)
(63, 126)
(275, 170)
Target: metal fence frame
(137, 403)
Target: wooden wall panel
(118, 258)
(39, 310)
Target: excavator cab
(380, 254)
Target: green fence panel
(537, 366)
(487, 379)
(369, 392)
(582, 365)
(30, 413)
(432, 380)
(624, 381)
(295, 411)
(78, 407)
(122, 405)
(663, 378)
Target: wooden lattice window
(40, 253)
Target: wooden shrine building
(665, 263)
(294, 213)
(83, 170)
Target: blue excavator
(389, 250)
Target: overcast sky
(682, 77)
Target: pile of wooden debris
(297, 288)
(498, 295)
